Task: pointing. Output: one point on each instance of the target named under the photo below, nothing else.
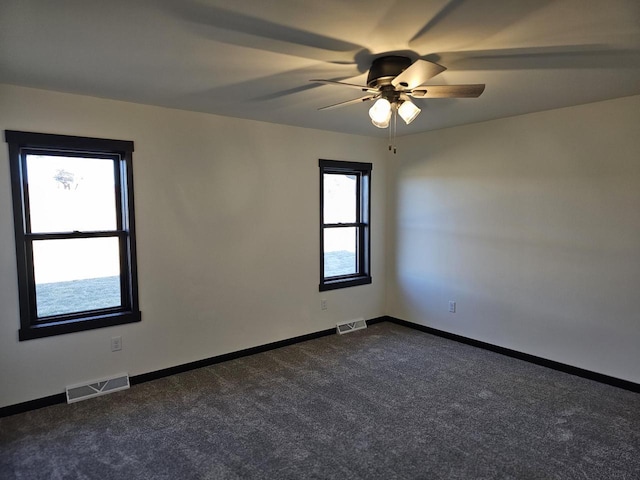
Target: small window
(74, 230)
(345, 195)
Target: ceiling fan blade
(418, 73)
(448, 91)
(349, 102)
(364, 88)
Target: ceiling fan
(392, 80)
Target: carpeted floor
(383, 403)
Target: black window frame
(22, 144)
(362, 171)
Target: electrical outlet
(323, 304)
(116, 344)
(452, 306)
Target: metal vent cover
(351, 326)
(96, 388)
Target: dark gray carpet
(383, 403)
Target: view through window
(340, 244)
(345, 236)
(75, 236)
(73, 194)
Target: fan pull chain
(395, 127)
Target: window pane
(340, 251)
(71, 193)
(76, 275)
(340, 195)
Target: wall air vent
(351, 326)
(82, 391)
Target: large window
(74, 229)
(345, 194)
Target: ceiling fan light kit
(380, 113)
(408, 111)
(393, 80)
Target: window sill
(42, 330)
(344, 283)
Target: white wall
(532, 224)
(227, 234)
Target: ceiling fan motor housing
(385, 69)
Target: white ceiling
(254, 58)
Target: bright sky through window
(72, 194)
(340, 207)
